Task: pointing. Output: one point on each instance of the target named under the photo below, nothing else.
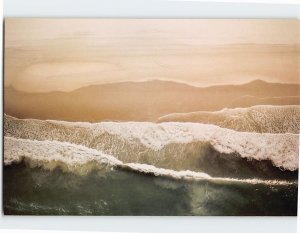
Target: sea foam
(262, 118)
(81, 160)
(139, 141)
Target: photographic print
(151, 117)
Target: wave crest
(261, 119)
(81, 160)
(143, 142)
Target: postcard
(151, 117)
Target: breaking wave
(170, 145)
(262, 118)
(81, 160)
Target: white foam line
(190, 175)
(75, 157)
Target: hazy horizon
(43, 55)
(153, 80)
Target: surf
(261, 118)
(80, 160)
(157, 143)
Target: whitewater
(144, 168)
(81, 161)
(260, 118)
(161, 143)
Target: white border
(246, 1)
(151, 9)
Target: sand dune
(143, 101)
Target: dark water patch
(35, 191)
(245, 200)
(40, 192)
(217, 164)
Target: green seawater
(36, 191)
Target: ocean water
(143, 168)
(35, 191)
